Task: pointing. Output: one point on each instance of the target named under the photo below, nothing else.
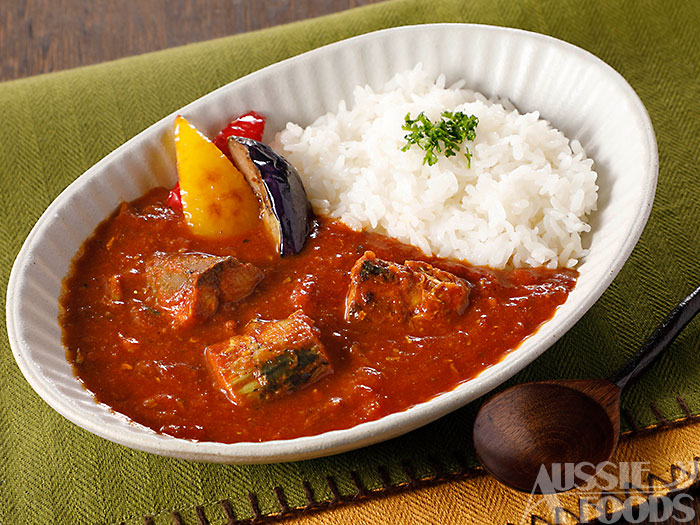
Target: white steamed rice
(523, 202)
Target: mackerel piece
(271, 359)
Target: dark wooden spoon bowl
(551, 423)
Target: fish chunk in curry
(414, 292)
(190, 286)
(269, 359)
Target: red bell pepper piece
(251, 125)
(174, 199)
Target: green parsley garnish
(447, 134)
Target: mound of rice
(523, 202)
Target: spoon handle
(661, 338)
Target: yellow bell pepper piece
(216, 199)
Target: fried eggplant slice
(285, 209)
(270, 359)
(190, 286)
(414, 292)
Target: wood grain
(40, 36)
(548, 423)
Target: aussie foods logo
(619, 492)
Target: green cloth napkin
(53, 127)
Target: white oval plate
(574, 90)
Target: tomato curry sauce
(135, 361)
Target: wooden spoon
(552, 423)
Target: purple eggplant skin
(284, 191)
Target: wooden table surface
(41, 36)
